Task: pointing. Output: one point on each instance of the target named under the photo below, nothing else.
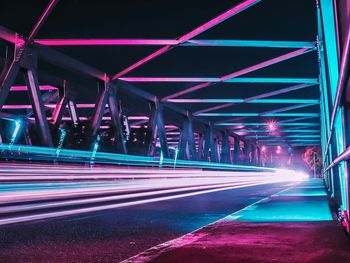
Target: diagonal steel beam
(295, 119)
(260, 96)
(241, 72)
(294, 107)
(42, 20)
(215, 21)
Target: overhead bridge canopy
(243, 85)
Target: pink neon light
(105, 42)
(138, 117)
(25, 88)
(143, 61)
(231, 12)
(183, 92)
(219, 107)
(16, 107)
(151, 79)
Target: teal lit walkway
(293, 225)
(302, 203)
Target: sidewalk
(294, 225)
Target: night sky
(267, 20)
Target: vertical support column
(162, 132)
(191, 140)
(246, 153)
(151, 131)
(187, 147)
(225, 150)
(183, 140)
(201, 147)
(253, 162)
(236, 150)
(39, 112)
(114, 110)
(98, 113)
(156, 128)
(258, 151)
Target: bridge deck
(294, 225)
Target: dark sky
(267, 20)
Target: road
(59, 214)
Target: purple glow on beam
(142, 61)
(42, 19)
(241, 72)
(266, 63)
(166, 126)
(25, 88)
(138, 117)
(219, 19)
(183, 92)
(214, 108)
(105, 42)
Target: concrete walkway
(294, 225)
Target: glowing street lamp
(271, 125)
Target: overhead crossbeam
(233, 80)
(175, 42)
(241, 72)
(213, 22)
(259, 101)
(259, 96)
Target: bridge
(143, 130)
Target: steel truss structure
(193, 134)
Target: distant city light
(271, 125)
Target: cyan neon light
(263, 101)
(338, 126)
(330, 39)
(94, 150)
(63, 134)
(176, 155)
(161, 159)
(273, 80)
(15, 132)
(226, 114)
(78, 156)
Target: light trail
(36, 191)
(24, 202)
